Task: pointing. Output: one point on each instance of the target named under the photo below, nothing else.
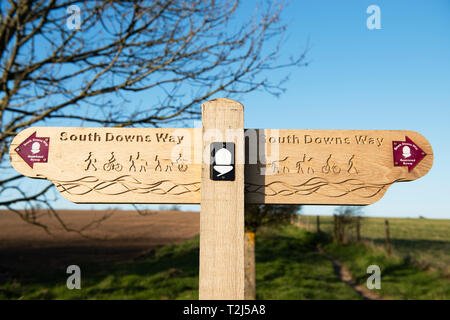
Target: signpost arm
(222, 207)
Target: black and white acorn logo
(223, 162)
(222, 165)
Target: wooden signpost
(221, 166)
(353, 167)
(111, 165)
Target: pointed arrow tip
(411, 158)
(420, 154)
(30, 154)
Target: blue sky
(395, 78)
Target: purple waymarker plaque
(407, 154)
(34, 149)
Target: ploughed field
(130, 256)
(124, 235)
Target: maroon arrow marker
(34, 149)
(407, 154)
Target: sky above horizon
(393, 78)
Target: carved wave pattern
(128, 184)
(122, 185)
(321, 186)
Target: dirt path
(345, 276)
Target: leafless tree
(88, 62)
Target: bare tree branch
(171, 54)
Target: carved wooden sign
(112, 165)
(222, 166)
(334, 166)
(131, 165)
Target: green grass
(171, 272)
(399, 278)
(424, 241)
(288, 266)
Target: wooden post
(318, 224)
(388, 238)
(341, 229)
(222, 207)
(335, 228)
(250, 275)
(358, 228)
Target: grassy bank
(425, 242)
(400, 277)
(170, 272)
(288, 266)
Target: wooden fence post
(250, 275)
(335, 228)
(388, 239)
(222, 207)
(358, 228)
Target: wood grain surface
(118, 165)
(353, 167)
(222, 208)
(128, 165)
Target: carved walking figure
(133, 164)
(351, 166)
(90, 162)
(163, 163)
